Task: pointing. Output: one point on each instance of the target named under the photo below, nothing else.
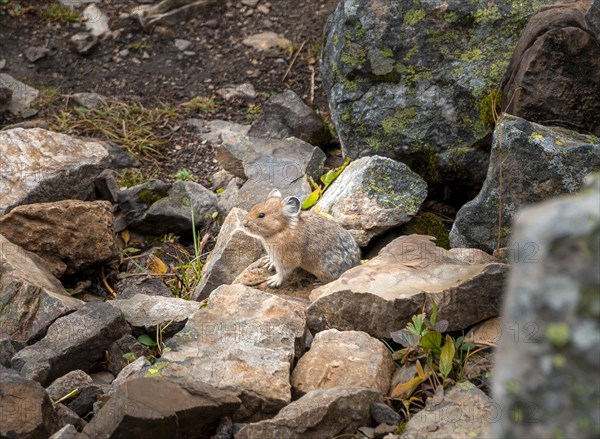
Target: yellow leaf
(312, 199)
(125, 236)
(405, 389)
(157, 265)
(420, 371)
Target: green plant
(184, 175)
(253, 111)
(203, 104)
(59, 12)
(439, 360)
(12, 8)
(47, 98)
(327, 178)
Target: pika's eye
(261, 215)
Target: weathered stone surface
(244, 341)
(286, 115)
(383, 294)
(148, 312)
(5, 98)
(157, 208)
(38, 166)
(409, 79)
(76, 379)
(7, 350)
(130, 286)
(171, 12)
(283, 164)
(22, 95)
(219, 131)
(116, 351)
(345, 359)
(548, 375)
(592, 17)
(66, 416)
(77, 341)
(383, 414)
(30, 297)
(162, 408)
(25, 408)
(67, 432)
(465, 411)
(137, 369)
(554, 74)
(319, 414)
(83, 405)
(234, 251)
(88, 100)
(372, 195)
(73, 233)
(538, 162)
(267, 42)
(83, 43)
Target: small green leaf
(328, 177)
(312, 199)
(130, 357)
(214, 214)
(146, 340)
(433, 313)
(432, 340)
(446, 357)
(220, 190)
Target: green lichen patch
(414, 16)
(558, 334)
(399, 122)
(427, 223)
(149, 197)
(491, 106)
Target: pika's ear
(291, 206)
(274, 193)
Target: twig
(287, 72)
(312, 84)
(105, 282)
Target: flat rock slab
(76, 379)
(38, 166)
(233, 252)
(244, 340)
(464, 412)
(22, 96)
(323, 413)
(76, 341)
(70, 233)
(25, 408)
(148, 312)
(538, 162)
(345, 359)
(162, 408)
(372, 195)
(382, 295)
(31, 298)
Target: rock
(592, 17)
(238, 91)
(5, 98)
(38, 166)
(384, 414)
(241, 329)
(22, 96)
(157, 208)
(182, 44)
(88, 100)
(76, 379)
(284, 164)
(136, 369)
(383, 294)
(251, 3)
(465, 411)
(472, 256)
(267, 42)
(147, 312)
(542, 161)
(83, 43)
(411, 80)
(27, 411)
(30, 297)
(180, 411)
(104, 378)
(372, 195)
(383, 430)
(119, 158)
(220, 131)
(96, 22)
(67, 416)
(170, 13)
(554, 74)
(546, 376)
(77, 341)
(116, 351)
(130, 286)
(7, 351)
(67, 432)
(233, 252)
(319, 414)
(71, 233)
(83, 405)
(344, 359)
(34, 54)
(286, 115)
(221, 179)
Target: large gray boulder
(411, 79)
(31, 298)
(38, 166)
(528, 163)
(549, 353)
(372, 195)
(554, 74)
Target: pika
(295, 239)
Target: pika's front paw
(265, 261)
(275, 280)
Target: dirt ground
(156, 73)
